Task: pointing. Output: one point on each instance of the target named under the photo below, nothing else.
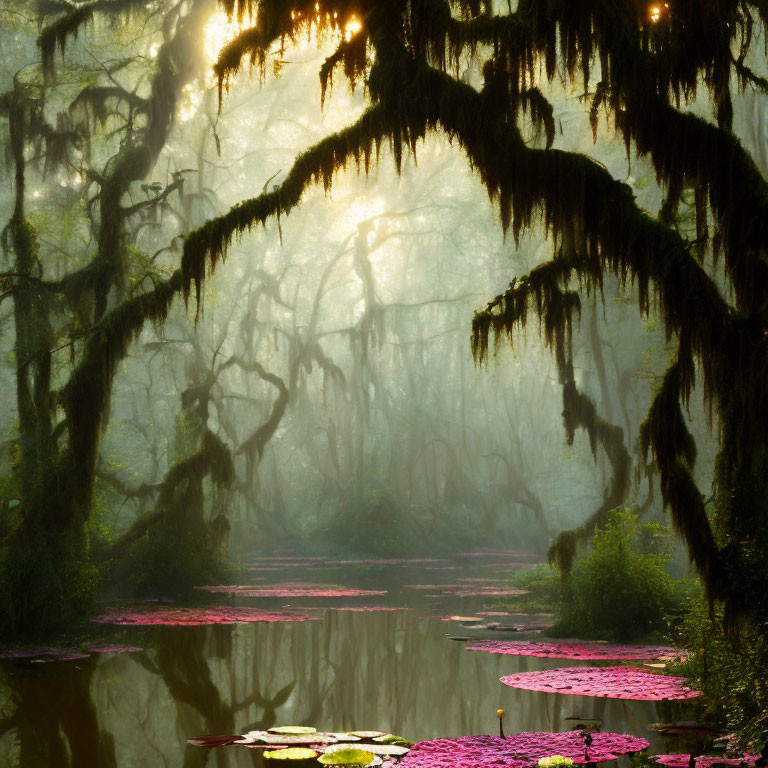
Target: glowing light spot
(220, 30)
(352, 27)
(153, 49)
(655, 13)
(191, 100)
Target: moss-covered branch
(57, 34)
(206, 246)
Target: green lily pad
(293, 730)
(387, 750)
(347, 757)
(288, 739)
(292, 753)
(389, 738)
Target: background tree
(513, 90)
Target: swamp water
(394, 671)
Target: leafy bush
(369, 521)
(544, 587)
(170, 563)
(732, 671)
(620, 589)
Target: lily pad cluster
(703, 761)
(586, 650)
(465, 590)
(194, 617)
(604, 682)
(299, 743)
(292, 589)
(522, 750)
(368, 608)
(65, 654)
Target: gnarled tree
(648, 63)
(644, 64)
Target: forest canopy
(117, 229)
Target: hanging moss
(207, 246)
(408, 53)
(644, 65)
(56, 34)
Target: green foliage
(544, 586)
(55, 577)
(731, 670)
(182, 542)
(620, 589)
(170, 562)
(370, 520)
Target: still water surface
(392, 671)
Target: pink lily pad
(114, 648)
(508, 553)
(604, 682)
(391, 561)
(466, 590)
(194, 617)
(213, 741)
(705, 761)
(521, 750)
(292, 558)
(368, 608)
(292, 589)
(604, 746)
(588, 651)
(45, 654)
(488, 592)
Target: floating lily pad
(368, 734)
(292, 753)
(45, 654)
(213, 741)
(369, 608)
(296, 739)
(554, 761)
(606, 682)
(522, 750)
(293, 730)
(292, 589)
(194, 617)
(348, 757)
(389, 738)
(703, 761)
(388, 750)
(465, 590)
(114, 648)
(590, 651)
(686, 727)
(463, 752)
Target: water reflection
(50, 717)
(386, 671)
